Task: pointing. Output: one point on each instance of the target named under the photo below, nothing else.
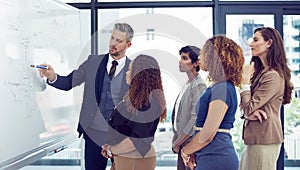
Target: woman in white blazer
(183, 115)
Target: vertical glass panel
(85, 29)
(240, 28)
(160, 32)
(291, 30)
(85, 42)
(161, 29)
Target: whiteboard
(34, 116)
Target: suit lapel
(100, 76)
(256, 80)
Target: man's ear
(128, 44)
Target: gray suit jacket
(266, 94)
(186, 115)
(91, 73)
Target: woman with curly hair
(266, 87)
(211, 147)
(134, 120)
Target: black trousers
(92, 155)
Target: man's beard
(116, 53)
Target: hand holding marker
(39, 66)
(46, 71)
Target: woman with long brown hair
(134, 120)
(266, 87)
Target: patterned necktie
(113, 69)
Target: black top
(140, 127)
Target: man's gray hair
(123, 27)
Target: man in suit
(104, 78)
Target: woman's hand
(248, 71)
(106, 152)
(185, 157)
(192, 162)
(188, 160)
(259, 115)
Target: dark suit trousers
(92, 155)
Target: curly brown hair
(145, 86)
(223, 59)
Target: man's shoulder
(96, 58)
(98, 55)
(127, 61)
(127, 58)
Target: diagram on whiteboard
(32, 113)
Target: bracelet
(245, 87)
(109, 153)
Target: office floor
(163, 145)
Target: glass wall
(291, 29)
(240, 29)
(160, 32)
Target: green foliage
(236, 133)
(291, 116)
